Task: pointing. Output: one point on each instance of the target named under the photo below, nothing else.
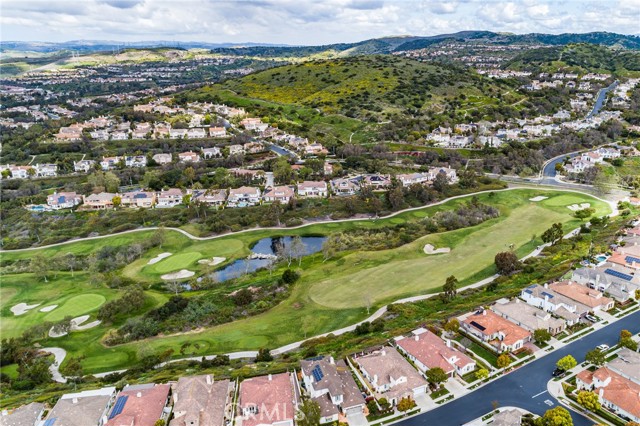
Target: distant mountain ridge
(371, 46)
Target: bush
(289, 276)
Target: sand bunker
(538, 198)
(576, 207)
(213, 261)
(429, 249)
(23, 308)
(158, 258)
(183, 273)
(75, 326)
(48, 308)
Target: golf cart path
(612, 204)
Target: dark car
(557, 372)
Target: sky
(302, 22)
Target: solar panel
(117, 409)
(478, 326)
(618, 274)
(550, 296)
(631, 259)
(50, 422)
(528, 291)
(317, 373)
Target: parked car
(558, 372)
(602, 348)
(591, 318)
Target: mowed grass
(329, 295)
(175, 262)
(75, 306)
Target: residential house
(46, 170)
(110, 163)
(254, 147)
(162, 130)
(178, 133)
(391, 376)
(120, 136)
(244, 196)
(196, 133)
(500, 334)
(213, 152)
(255, 124)
(249, 175)
(617, 281)
(101, 135)
(101, 201)
(135, 161)
(27, 415)
(615, 392)
(279, 193)
(313, 189)
(140, 405)
(87, 408)
(217, 132)
(84, 166)
(529, 317)
(331, 385)
(375, 181)
(448, 172)
(71, 133)
(315, 149)
(162, 158)
(627, 364)
(236, 149)
(592, 298)
(188, 157)
(18, 172)
(171, 197)
(550, 301)
(210, 197)
(413, 178)
(608, 153)
(268, 400)
(507, 417)
(626, 256)
(138, 199)
(63, 200)
(344, 187)
(427, 351)
(327, 169)
(201, 401)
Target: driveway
(525, 387)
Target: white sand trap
(213, 261)
(538, 198)
(22, 308)
(183, 273)
(429, 249)
(88, 325)
(576, 207)
(75, 325)
(158, 258)
(48, 308)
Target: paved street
(525, 387)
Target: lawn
(77, 305)
(329, 294)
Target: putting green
(176, 262)
(75, 306)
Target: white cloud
(301, 21)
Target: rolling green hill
(580, 58)
(371, 87)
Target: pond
(264, 252)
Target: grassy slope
(329, 294)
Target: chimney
(546, 285)
(484, 312)
(416, 337)
(384, 353)
(209, 381)
(139, 394)
(270, 377)
(331, 360)
(74, 400)
(448, 343)
(601, 392)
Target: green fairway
(329, 295)
(77, 305)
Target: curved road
(525, 387)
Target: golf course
(329, 295)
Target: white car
(602, 348)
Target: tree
(396, 197)
(503, 361)
(629, 343)
(507, 262)
(298, 249)
(452, 326)
(589, 400)
(595, 357)
(73, 368)
(330, 246)
(441, 183)
(566, 363)
(625, 334)
(189, 174)
(541, 335)
(39, 266)
(449, 288)
(308, 413)
(553, 234)
(289, 276)
(405, 404)
(436, 375)
(604, 183)
(584, 213)
(264, 355)
(116, 200)
(159, 237)
(282, 171)
(160, 422)
(71, 262)
(175, 287)
(557, 416)
(482, 374)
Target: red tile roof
(143, 407)
(433, 352)
(272, 395)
